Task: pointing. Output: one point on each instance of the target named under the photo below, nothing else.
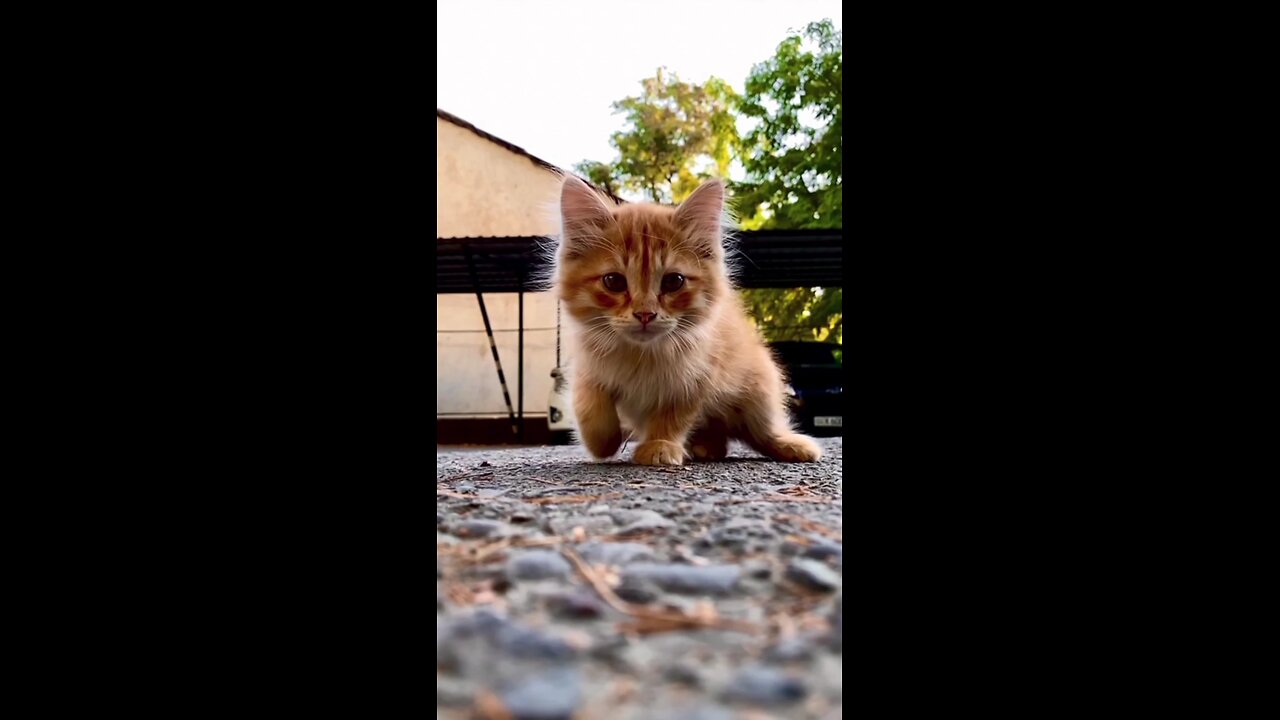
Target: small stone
(480, 528)
(578, 604)
(530, 644)
(790, 650)
(636, 590)
(602, 553)
(683, 673)
(537, 565)
(758, 569)
(550, 695)
(688, 579)
(738, 531)
(813, 574)
(637, 521)
(765, 686)
(823, 549)
(453, 691)
(592, 524)
(465, 486)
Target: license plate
(828, 422)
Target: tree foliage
(600, 174)
(794, 157)
(798, 313)
(677, 134)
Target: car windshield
(811, 354)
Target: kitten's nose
(645, 317)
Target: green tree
(794, 156)
(600, 174)
(797, 313)
(677, 134)
(794, 159)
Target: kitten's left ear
(702, 214)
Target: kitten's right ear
(584, 215)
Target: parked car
(815, 377)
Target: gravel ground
(570, 588)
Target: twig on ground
(651, 620)
(465, 476)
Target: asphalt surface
(567, 587)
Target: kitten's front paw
(795, 448)
(659, 452)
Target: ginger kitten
(663, 341)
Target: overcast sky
(542, 74)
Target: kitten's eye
(614, 282)
(672, 282)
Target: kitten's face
(640, 274)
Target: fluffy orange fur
(663, 344)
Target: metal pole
(493, 347)
(520, 360)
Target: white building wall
(466, 378)
(486, 190)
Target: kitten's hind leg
(765, 428)
(597, 416)
(710, 441)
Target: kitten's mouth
(647, 333)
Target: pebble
(759, 569)
(813, 574)
(565, 524)
(453, 691)
(636, 590)
(637, 521)
(480, 528)
(576, 604)
(537, 565)
(738, 531)
(764, 686)
(527, 643)
(688, 579)
(501, 632)
(790, 650)
(602, 553)
(549, 695)
(823, 549)
(683, 673)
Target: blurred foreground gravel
(570, 588)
